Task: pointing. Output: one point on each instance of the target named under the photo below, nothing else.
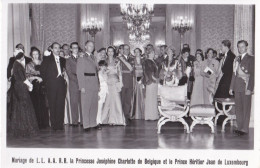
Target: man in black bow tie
(243, 85)
(52, 69)
(89, 86)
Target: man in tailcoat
(87, 75)
(226, 70)
(242, 85)
(52, 69)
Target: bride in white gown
(113, 113)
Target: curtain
(244, 26)
(37, 38)
(18, 27)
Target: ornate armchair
(173, 105)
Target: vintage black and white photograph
(130, 76)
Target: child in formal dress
(103, 91)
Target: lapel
(53, 62)
(244, 60)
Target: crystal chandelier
(92, 26)
(136, 14)
(138, 18)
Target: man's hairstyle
(17, 45)
(226, 43)
(74, 43)
(149, 45)
(89, 41)
(126, 45)
(242, 41)
(54, 44)
(102, 63)
(101, 49)
(185, 49)
(64, 45)
(139, 50)
(35, 49)
(186, 45)
(215, 52)
(163, 46)
(121, 46)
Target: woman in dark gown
(137, 111)
(23, 120)
(38, 95)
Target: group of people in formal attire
(110, 86)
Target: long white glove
(28, 83)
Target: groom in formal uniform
(243, 86)
(126, 62)
(87, 75)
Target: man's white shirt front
(57, 60)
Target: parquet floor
(139, 134)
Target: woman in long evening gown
(197, 96)
(137, 111)
(210, 79)
(23, 119)
(38, 94)
(113, 112)
(67, 111)
(151, 77)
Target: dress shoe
(75, 125)
(235, 131)
(241, 133)
(98, 127)
(87, 129)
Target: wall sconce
(159, 43)
(118, 43)
(182, 25)
(92, 26)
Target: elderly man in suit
(52, 69)
(243, 86)
(71, 68)
(87, 75)
(126, 63)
